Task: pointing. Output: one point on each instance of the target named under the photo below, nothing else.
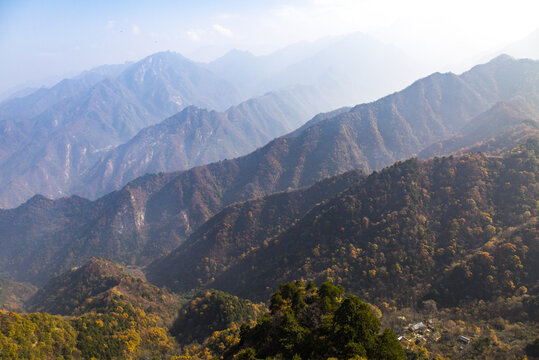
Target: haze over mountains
(155, 213)
(528, 47)
(498, 129)
(82, 135)
(60, 142)
(356, 67)
(58, 134)
(197, 136)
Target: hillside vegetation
(402, 232)
(237, 229)
(96, 285)
(13, 295)
(108, 314)
(213, 311)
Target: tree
(355, 328)
(310, 323)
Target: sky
(42, 41)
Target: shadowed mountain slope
(13, 295)
(237, 230)
(464, 226)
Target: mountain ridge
(154, 214)
(425, 215)
(196, 137)
(63, 140)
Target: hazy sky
(40, 39)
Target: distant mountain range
(66, 127)
(56, 141)
(16, 113)
(154, 214)
(198, 136)
(355, 67)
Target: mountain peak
(157, 60)
(502, 58)
(97, 265)
(238, 53)
(163, 57)
(93, 285)
(234, 56)
(189, 112)
(37, 199)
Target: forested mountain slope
(463, 226)
(238, 229)
(95, 285)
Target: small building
(464, 339)
(417, 326)
(402, 339)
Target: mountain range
(355, 68)
(424, 203)
(239, 228)
(198, 136)
(56, 141)
(48, 146)
(439, 239)
(409, 233)
(417, 222)
(155, 213)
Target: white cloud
(222, 30)
(135, 29)
(193, 35)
